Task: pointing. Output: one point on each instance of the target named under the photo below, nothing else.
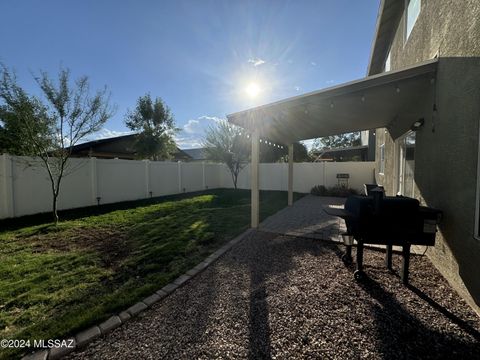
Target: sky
(205, 59)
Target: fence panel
(192, 176)
(164, 179)
(120, 180)
(25, 188)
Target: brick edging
(87, 336)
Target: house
(121, 147)
(421, 96)
(195, 155)
(363, 152)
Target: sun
(252, 90)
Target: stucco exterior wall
(446, 150)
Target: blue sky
(199, 56)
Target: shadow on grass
(74, 214)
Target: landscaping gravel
(284, 297)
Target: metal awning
(394, 100)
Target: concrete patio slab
(307, 219)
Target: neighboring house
(351, 153)
(363, 152)
(197, 154)
(422, 97)
(121, 147)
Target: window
(413, 10)
(387, 62)
(382, 159)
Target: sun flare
(252, 90)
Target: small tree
(337, 141)
(226, 144)
(155, 125)
(51, 126)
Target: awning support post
(255, 193)
(290, 174)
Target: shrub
(319, 190)
(335, 191)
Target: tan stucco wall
(446, 146)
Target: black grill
(389, 221)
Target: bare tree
(50, 126)
(226, 144)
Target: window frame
(381, 170)
(406, 32)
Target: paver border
(85, 337)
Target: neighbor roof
(394, 99)
(196, 154)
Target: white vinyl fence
(25, 188)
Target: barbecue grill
(386, 220)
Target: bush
(335, 191)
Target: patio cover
(394, 99)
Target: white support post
(255, 192)
(325, 173)
(204, 183)
(147, 178)
(8, 187)
(290, 174)
(179, 176)
(93, 173)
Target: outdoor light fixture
(363, 98)
(398, 90)
(417, 124)
(331, 104)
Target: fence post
(179, 176)
(8, 186)
(204, 183)
(147, 178)
(93, 173)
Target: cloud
(192, 134)
(256, 61)
(330, 82)
(189, 127)
(313, 63)
(297, 88)
(211, 118)
(308, 143)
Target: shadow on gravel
(455, 319)
(268, 257)
(402, 336)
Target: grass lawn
(56, 280)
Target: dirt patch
(111, 243)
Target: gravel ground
(284, 297)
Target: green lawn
(54, 281)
